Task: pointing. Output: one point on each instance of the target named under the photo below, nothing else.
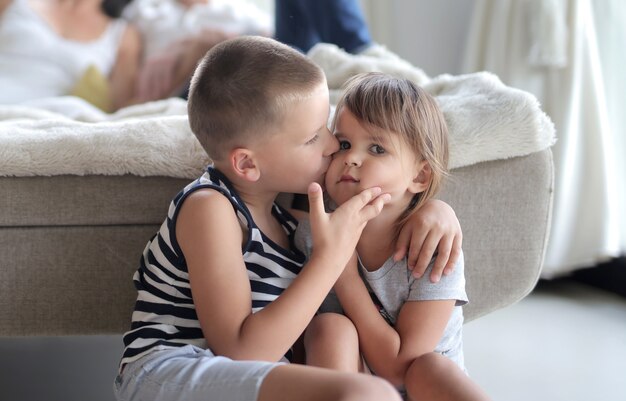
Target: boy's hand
(434, 227)
(336, 234)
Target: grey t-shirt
(393, 285)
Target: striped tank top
(164, 314)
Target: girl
(392, 135)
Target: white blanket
(487, 121)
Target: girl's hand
(336, 234)
(434, 227)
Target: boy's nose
(332, 144)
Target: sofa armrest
(504, 207)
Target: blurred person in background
(177, 33)
(51, 48)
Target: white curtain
(571, 54)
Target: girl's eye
(344, 145)
(313, 140)
(377, 149)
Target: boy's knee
(330, 327)
(365, 387)
(428, 367)
(331, 341)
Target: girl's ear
(422, 180)
(244, 164)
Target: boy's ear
(422, 179)
(244, 164)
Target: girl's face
(365, 160)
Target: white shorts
(190, 373)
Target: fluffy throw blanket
(487, 121)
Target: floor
(565, 341)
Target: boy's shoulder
(205, 216)
(209, 202)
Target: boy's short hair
(241, 91)
(383, 102)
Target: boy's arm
(433, 227)
(389, 351)
(210, 237)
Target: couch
(69, 245)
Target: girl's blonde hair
(384, 103)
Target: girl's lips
(347, 178)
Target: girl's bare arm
(389, 350)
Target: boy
(222, 292)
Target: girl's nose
(352, 160)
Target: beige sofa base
(69, 244)
(62, 280)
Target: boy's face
(300, 152)
(365, 160)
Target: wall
(429, 34)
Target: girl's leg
(435, 377)
(308, 383)
(331, 341)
